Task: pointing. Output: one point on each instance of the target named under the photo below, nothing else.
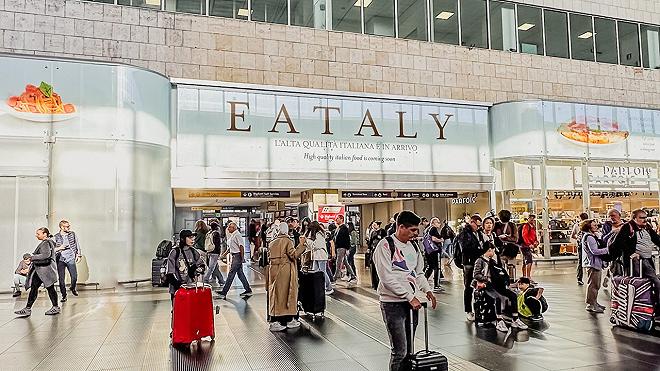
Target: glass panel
(445, 21)
(651, 46)
(378, 17)
(629, 44)
(530, 30)
(605, 40)
(154, 4)
(582, 42)
(272, 11)
(412, 19)
(556, 41)
(346, 15)
(7, 225)
(474, 30)
(502, 26)
(308, 13)
(229, 8)
(186, 6)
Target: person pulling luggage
(184, 264)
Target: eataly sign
(368, 122)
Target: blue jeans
(236, 268)
(397, 321)
(62, 266)
(214, 270)
(447, 249)
(321, 266)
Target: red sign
(330, 212)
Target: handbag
(45, 262)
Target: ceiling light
(366, 3)
(243, 12)
(586, 35)
(445, 15)
(526, 26)
(152, 2)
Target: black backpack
(163, 249)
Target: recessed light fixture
(445, 15)
(366, 3)
(586, 35)
(243, 12)
(526, 26)
(152, 2)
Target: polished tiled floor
(128, 330)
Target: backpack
(521, 241)
(163, 249)
(458, 252)
(429, 244)
(390, 243)
(192, 267)
(208, 241)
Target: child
(20, 275)
(484, 269)
(531, 302)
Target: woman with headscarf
(282, 280)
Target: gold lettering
(233, 115)
(371, 125)
(401, 134)
(441, 127)
(287, 119)
(327, 116)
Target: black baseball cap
(186, 233)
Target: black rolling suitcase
(424, 360)
(311, 292)
(158, 267)
(484, 308)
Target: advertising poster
(329, 213)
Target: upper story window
(473, 13)
(651, 46)
(556, 41)
(530, 30)
(444, 14)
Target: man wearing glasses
(67, 254)
(636, 241)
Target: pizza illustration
(591, 130)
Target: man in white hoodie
(399, 262)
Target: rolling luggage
(192, 315)
(263, 257)
(424, 360)
(158, 267)
(633, 302)
(484, 308)
(311, 292)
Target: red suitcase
(192, 315)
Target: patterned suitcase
(158, 272)
(484, 309)
(192, 315)
(633, 304)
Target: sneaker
(276, 326)
(246, 294)
(501, 326)
(601, 306)
(329, 292)
(221, 297)
(63, 300)
(519, 324)
(537, 318)
(353, 280)
(580, 283)
(74, 292)
(16, 294)
(470, 316)
(25, 312)
(53, 311)
(594, 309)
(438, 289)
(293, 324)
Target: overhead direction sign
(395, 194)
(265, 194)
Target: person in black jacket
(214, 269)
(636, 241)
(342, 246)
(470, 243)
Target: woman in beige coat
(282, 281)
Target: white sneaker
(501, 326)
(519, 324)
(329, 292)
(276, 326)
(293, 324)
(470, 316)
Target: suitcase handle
(640, 267)
(411, 345)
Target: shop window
(503, 26)
(474, 30)
(346, 15)
(237, 9)
(271, 11)
(185, 6)
(605, 30)
(582, 37)
(530, 30)
(308, 13)
(154, 4)
(444, 14)
(378, 17)
(556, 34)
(412, 18)
(629, 44)
(651, 46)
